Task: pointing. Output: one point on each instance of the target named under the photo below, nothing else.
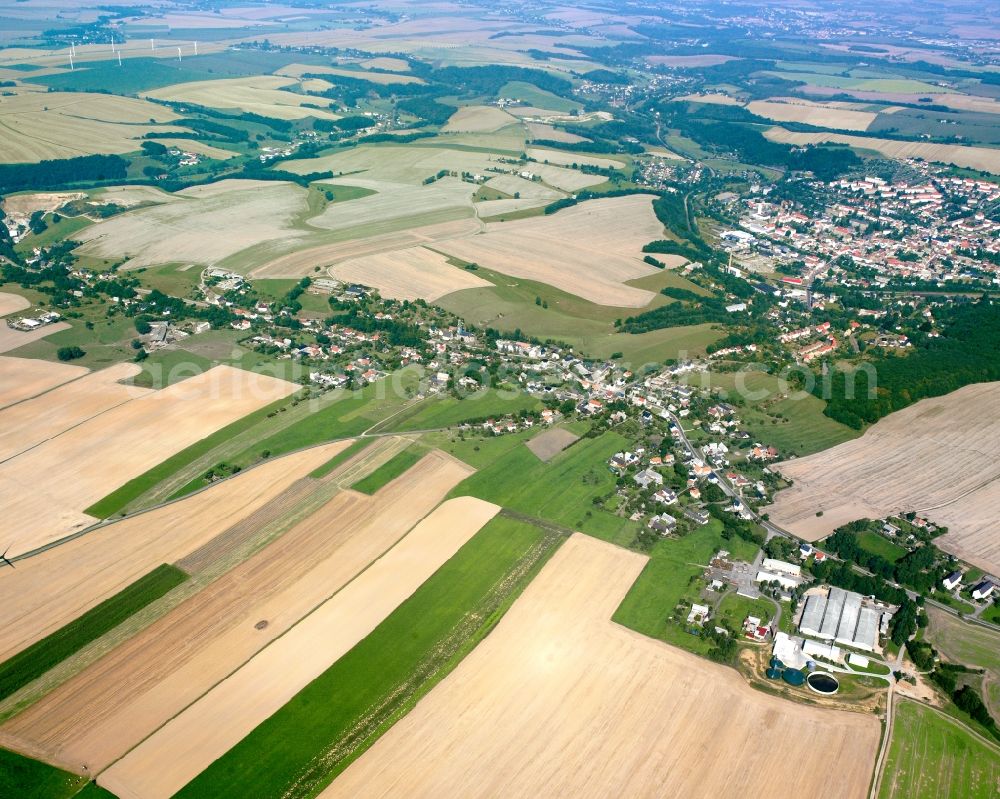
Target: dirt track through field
(937, 457)
(48, 591)
(558, 701)
(23, 378)
(109, 708)
(207, 729)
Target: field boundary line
(273, 641)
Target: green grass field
(33, 662)
(314, 737)
(24, 778)
(450, 412)
(509, 304)
(734, 609)
(969, 644)
(341, 457)
(674, 575)
(388, 471)
(133, 489)
(175, 279)
(561, 491)
(794, 424)
(932, 757)
(880, 545)
(532, 95)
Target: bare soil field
(983, 158)
(558, 701)
(84, 463)
(936, 457)
(106, 710)
(213, 724)
(819, 114)
(409, 274)
(590, 250)
(13, 339)
(478, 119)
(40, 418)
(11, 303)
(201, 225)
(302, 262)
(22, 378)
(40, 125)
(48, 591)
(539, 130)
(550, 443)
(260, 94)
(20, 207)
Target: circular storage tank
(773, 674)
(793, 676)
(823, 683)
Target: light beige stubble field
(559, 701)
(936, 457)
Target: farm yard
(897, 466)
(589, 250)
(114, 446)
(933, 757)
(222, 717)
(612, 711)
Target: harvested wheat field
(49, 590)
(302, 262)
(711, 99)
(40, 418)
(478, 119)
(45, 125)
(685, 61)
(13, 339)
(298, 70)
(409, 274)
(394, 164)
(820, 114)
(99, 715)
(527, 189)
(590, 250)
(559, 701)
(201, 225)
(220, 719)
(84, 463)
(386, 64)
(260, 94)
(22, 378)
(547, 445)
(936, 457)
(489, 209)
(563, 158)
(986, 159)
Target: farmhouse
(983, 589)
(648, 477)
(952, 581)
(664, 524)
(697, 515)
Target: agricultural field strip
(36, 420)
(983, 158)
(560, 701)
(22, 379)
(590, 250)
(119, 445)
(14, 339)
(207, 729)
(11, 303)
(110, 708)
(226, 550)
(49, 590)
(891, 469)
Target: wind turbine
(4, 558)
